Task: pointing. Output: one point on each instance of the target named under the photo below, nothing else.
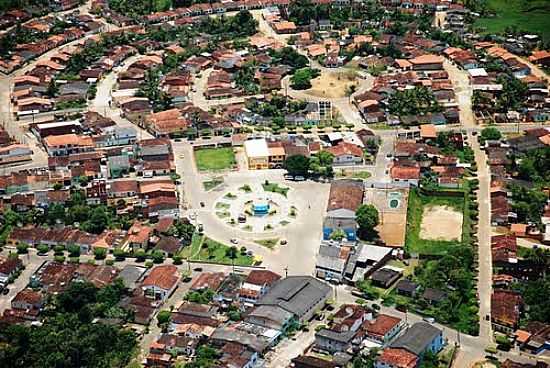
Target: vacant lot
(441, 223)
(215, 159)
(333, 84)
(529, 16)
(426, 242)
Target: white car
(182, 156)
(234, 241)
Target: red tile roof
(262, 277)
(164, 277)
(382, 325)
(398, 358)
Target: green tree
(302, 78)
(491, 134)
(74, 250)
(100, 253)
(367, 219)
(157, 256)
(22, 248)
(164, 317)
(297, 165)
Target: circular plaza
(256, 208)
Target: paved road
(104, 104)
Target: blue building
(344, 198)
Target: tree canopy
(297, 165)
(67, 337)
(367, 219)
(418, 100)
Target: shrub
(22, 248)
(42, 248)
(140, 255)
(110, 262)
(100, 253)
(119, 254)
(59, 259)
(157, 256)
(58, 250)
(75, 260)
(149, 264)
(177, 260)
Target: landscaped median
(204, 249)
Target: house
(511, 364)
(256, 285)
(383, 328)
(538, 340)
(406, 287)
(257, 153)
(419, 339)
(427, 62)
(344, 198)
(403, 171)
(234, 354)
(175, 345)
(396, 358)
(168, 245)
(385, 277)
(302, 296)
(131, 275)
(331, 261)
(345, 331)
(28, 299)
(14, 153)
(67, 144)
(271, 317)
(208, 280)
(9, 266)
(433, 296)
(304, 361)
(506, 306)
(346, 154)
(160, 282)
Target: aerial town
(275, 183)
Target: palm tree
(232, 253)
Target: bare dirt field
(441, 223)
(333, 84)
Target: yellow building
(257, 154)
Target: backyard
(215, 159)
(528, 16)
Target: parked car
(234, 241)
(429, 319)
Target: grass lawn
(532, 18)
(268, 243)
(274, 187)
(356, 174)
(215, 159)
(205, 249)
(211, 184)
(417, 202)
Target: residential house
(420, 338)
(256, 285)
(383, 328)
(344, 198)
(506, 306)
(160, 282)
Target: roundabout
(256, 208)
